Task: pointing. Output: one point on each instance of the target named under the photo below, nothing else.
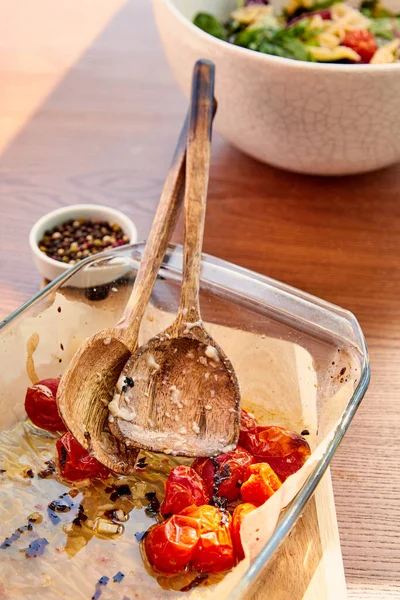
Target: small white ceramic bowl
(326, 119)
(50, 268)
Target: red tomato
(284, 450)
(361, 41)
(224, 474)
(214, 551)
(76, 463)
(261, 483)
(170, 545)
(247, 422)
(238, 515)
(183, 488)
(41, 406)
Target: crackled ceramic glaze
(305, 117)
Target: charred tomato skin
(224, 474)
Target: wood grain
(170, 369)
(101, 358)
(105, 134)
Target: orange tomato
(238, 515)
(261, 482)
(169, 546)
(214, 552)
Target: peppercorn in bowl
(277, 103)
(67, 235)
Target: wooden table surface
(89, 112)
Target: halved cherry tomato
(224, 474)
(76, 463)
(247, 422)
(284, 450)
(170, 545)
(214, 551)
(261, 482)
(184, 487)
(361, 41)
(237, 518)
(41, 406)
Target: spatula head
(83, 395)
(184, 399)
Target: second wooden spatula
(185, 395)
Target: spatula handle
(157, 243)
(197, 174)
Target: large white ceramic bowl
(326, 119)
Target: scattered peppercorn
(153, 507)
(51, 468)
(74, 240)
(141, 463)
(97, 293)
(305, 432)
(29, 473)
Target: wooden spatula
(183, 396)
(89, 382)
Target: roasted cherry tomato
(214, 551)
(224, 474)
(361, 41)
(238, 515)
(76, 463)
(41, 406)
(184, 487)
(247, 422)
(285, 450)
(170, 545)
(261, 482)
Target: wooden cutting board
(308, 565)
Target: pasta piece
(386, 54)
(332, 55)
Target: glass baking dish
(301, 362)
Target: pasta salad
(326, 31)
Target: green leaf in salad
(292, 40)
(211, 25)
(249, 38)
(373, 9)
(382, 28)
